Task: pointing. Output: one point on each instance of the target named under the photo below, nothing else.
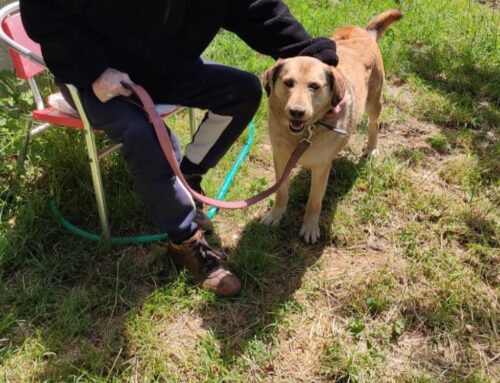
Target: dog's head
(301, 90)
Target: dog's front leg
(310, 227)
(274, 216)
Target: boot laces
(207, 256)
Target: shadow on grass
(69, 303)
(470, 115)
(65, 305)
(65, 301)
(272, 263)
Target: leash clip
(310, 128)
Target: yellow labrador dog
(303, 89)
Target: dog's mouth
(297, 126)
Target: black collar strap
(333, 129)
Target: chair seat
(56, 117)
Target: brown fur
(382, 22)
(307, 85)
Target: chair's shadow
(74, 300)
(272, 263)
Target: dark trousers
(231, 98)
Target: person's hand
(108, 85)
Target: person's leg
(231, 97)
(170, 206)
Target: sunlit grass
(402, 288)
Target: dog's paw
(370, 152)
(273, 217)
(310, 232)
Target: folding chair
(27, 62)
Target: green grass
(403, 286)
(438, 142)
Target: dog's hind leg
(274, 216)
(373, 108)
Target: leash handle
(159, 125)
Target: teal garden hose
(159, 237)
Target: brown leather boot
(207, 267)
(201, 219)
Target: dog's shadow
(272, 262)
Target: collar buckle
(310, 129)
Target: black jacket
(156, 40)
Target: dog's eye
(314, 87)
(289, 83)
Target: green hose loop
(147, 238)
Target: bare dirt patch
(495, 4)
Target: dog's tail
(379, 24)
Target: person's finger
(126, 78)
(125, 92)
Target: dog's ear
(330, 79)
(337, 86)
(270, 76)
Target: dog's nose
(297, 112)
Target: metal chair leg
(94, 166)
(26, 142)
(98, 186)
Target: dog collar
(332, 128)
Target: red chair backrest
(24, 68)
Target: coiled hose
(147, 238)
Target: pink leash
(166, 145)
